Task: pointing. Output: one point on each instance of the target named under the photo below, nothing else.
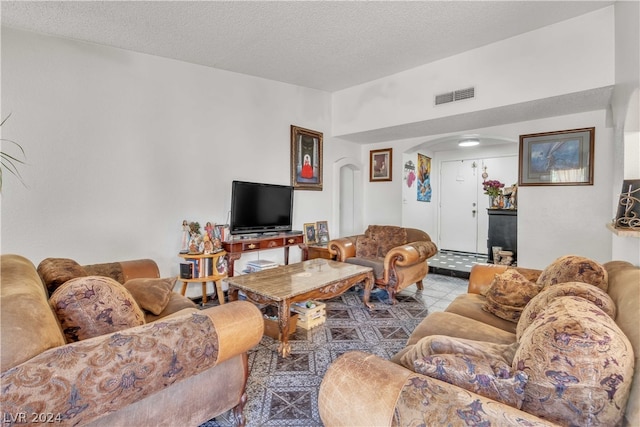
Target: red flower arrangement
(492, 187)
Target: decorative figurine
(184, 245)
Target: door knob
(473, 212)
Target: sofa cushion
(508, 294)
(580, 365)
(387, 237)
(377, 264)
(151, 294)
(442, 344)
(55, 271)
(470, 305)
(490, 378)
(583, 290)
(573, 268)
(94, 305)
(366, 247)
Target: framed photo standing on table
(306, 159)
(557, 158)
(380, 165)
(322, 230)
(310, 236)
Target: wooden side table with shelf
(316, 251)
(215, 277)
(237, 246)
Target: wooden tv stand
(236, 246)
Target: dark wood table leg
(232, 294)
(231, 259)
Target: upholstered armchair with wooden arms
(398, 255)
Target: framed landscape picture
(557, 158)
(380, 165)
(306, 159)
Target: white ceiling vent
(458, 95)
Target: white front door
(459, 205)
(464, 222)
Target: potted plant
(494, 189)
(10, 162)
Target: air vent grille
(444, 98)
(464, 93)
(458, 95)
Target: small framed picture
(557, 158)
(380, 165)
(322, 231)
(310, 236)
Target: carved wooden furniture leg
(420, 285)
(368, 285)
(237, 413)
(284, 348)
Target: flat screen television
(260, 208)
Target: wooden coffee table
(316, 279)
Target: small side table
(317, 251)
(206, 272)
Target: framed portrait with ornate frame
(310, 233)
(306, 159)
(380, 165)
(557, 158)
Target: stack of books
(259, 265)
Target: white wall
(121, 147)
(552, 221)
(568, 57)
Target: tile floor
(456, 264)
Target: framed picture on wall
(380, 165)
(557, 158)
(306, 159)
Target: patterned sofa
(397, 255)
(86, 355)
(522, 347)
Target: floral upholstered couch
(522, 347)
(397, 255)
(78, 347)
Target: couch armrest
(482, 275)
(408, 255)
(343, 248)
(82, 381)
(364, 390)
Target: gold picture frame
(310, 234)
(306, 159)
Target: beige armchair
(398, 255)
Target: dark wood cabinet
(503, 231)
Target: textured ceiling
(326, 45)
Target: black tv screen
(260, 208)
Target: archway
(347, 197)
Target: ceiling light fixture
(468, 143)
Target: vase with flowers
(494, 189)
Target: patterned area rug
(284, 391)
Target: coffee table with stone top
(316, 279)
